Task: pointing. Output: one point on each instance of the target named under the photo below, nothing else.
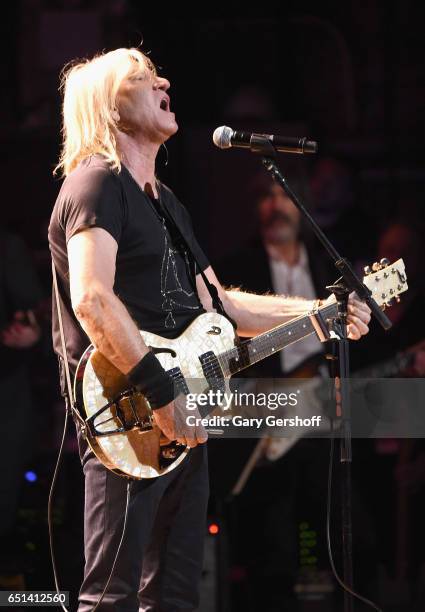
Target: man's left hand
(358, 316)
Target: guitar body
(141, 453)
(118, 422)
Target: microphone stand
(340, 369)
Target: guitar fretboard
(251, 351)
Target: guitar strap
(177, 234)
(67, 392)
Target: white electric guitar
(118, 421)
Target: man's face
(279, 217)
(144, 107)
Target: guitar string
(263, 352)
(277, 333)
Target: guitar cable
(50, 520)
(68, 410)
(342, 584)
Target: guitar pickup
(179, 380)
(319, 325)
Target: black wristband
(153, 381)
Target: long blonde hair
(89, 99)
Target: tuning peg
(367, 270)
(398, 300)
(384, 262)
(376, 266)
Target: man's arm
(255, 314)
(106, 321)
(102, 315)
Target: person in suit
(283, 258)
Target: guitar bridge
(125, 422)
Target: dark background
(347, 74)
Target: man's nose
(162, 83)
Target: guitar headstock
(386, 281)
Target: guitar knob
(376, 266)
(384, 262)
(367, 270)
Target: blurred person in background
(399, 238)
(398, 465)
(20, 294)
(283, 258)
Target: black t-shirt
(154, 277)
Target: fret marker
(254, 350)
(272, 349)
(304, 326)
(289, 333)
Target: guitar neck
(252, 351)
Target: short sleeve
(92, 197)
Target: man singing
(118, 272)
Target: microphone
(224, 138)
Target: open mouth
(165, 104)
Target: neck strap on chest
(179, 238)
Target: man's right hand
(172, 421)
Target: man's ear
(115, 115)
